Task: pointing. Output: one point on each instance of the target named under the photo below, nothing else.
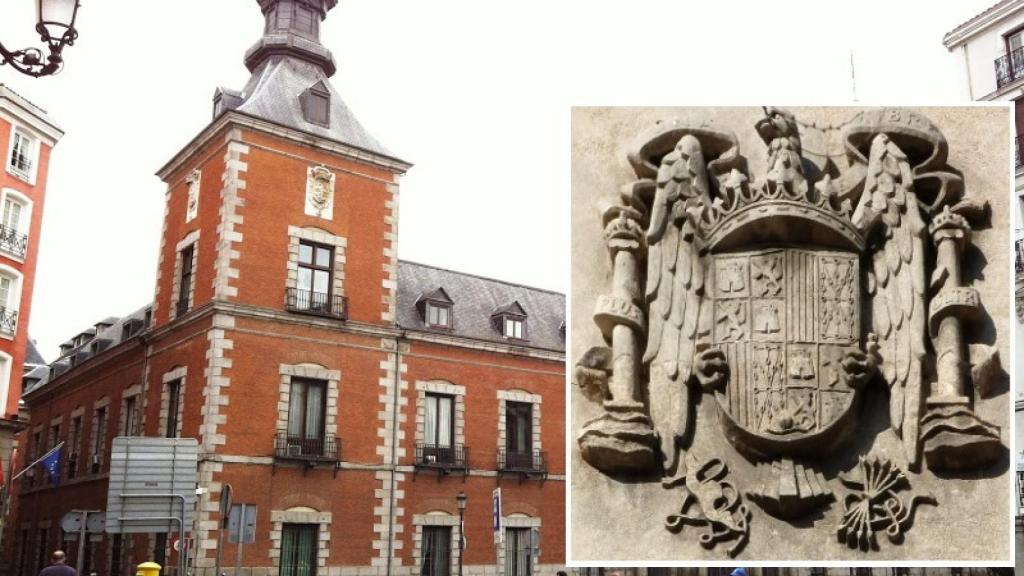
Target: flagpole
(38, 460)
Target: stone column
(622, 438)
(952, 435)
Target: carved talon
(860, 365)
(711, 369)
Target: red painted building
(347, 395)
(28, 135)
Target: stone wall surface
(617, 485)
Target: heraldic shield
(785, 319)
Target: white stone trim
(24, 223)
(447, 388)
(194, 181)
(6, 363)
(190, 239)
(310, 234)
(98, 448)
(518, 521)
(30, 177)
(316, 372)
(519, 396)
(179, 373)
(278, 518)
(134, 391)
(390, 265)
(436, 519)
(388, 510)
(160, 257)
(227, 233)
(214, 396)
(13, 297)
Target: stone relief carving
(720, 506)
(875, 506)
(320, 192)
(192, 208)
(780, 298)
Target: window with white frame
(519, 551)
(439, 428)
(10, 297)
(15, 215)
(22, 155)
(514, 327)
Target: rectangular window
(318, 105)
(437, 550)
(298, 549)
(314, 281)
(12, 215)
(130, 415)
(99, 418)
(35, 451)
(284, 16)
(5, 291)
(519, 427)
(518, 552)
(439, 426)
(513, 328)
(76, 441)
(185, 280)
(173, 403)
(438, 315)
(21, 154)
(307, 408)
(303, 19)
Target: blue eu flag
(52, 466)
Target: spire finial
(292, 29)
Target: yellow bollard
(148, 569)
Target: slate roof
(113, 333)
(273, 92)
(32, 355)
(475, 299)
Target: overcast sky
(476, 94)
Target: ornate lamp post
(460, 500)
(55, 23)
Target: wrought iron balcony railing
(317, 303)
(13, 242)
(533, 462)
(300, 448)
(1009, 67)
(445, 458)
(8, 320)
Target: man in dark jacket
(57, 566)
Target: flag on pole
(51, 463)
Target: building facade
(795, 571)
(28, 136)
(345, 395)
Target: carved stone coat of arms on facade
(785, 298)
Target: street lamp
(55, 23)
(460, 500)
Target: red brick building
(346, 394)
(28, 135)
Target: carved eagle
(890, 216)
(675, 287)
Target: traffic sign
(499, 534)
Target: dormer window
(510, 321)
(439, 315)
(316, 105)
(435, 308)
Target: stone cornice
(980, 23)
(243, 120)
(29, 114)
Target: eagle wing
(896, 284)
(675, 286)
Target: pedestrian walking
(57, 566)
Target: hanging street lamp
(55, 23)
